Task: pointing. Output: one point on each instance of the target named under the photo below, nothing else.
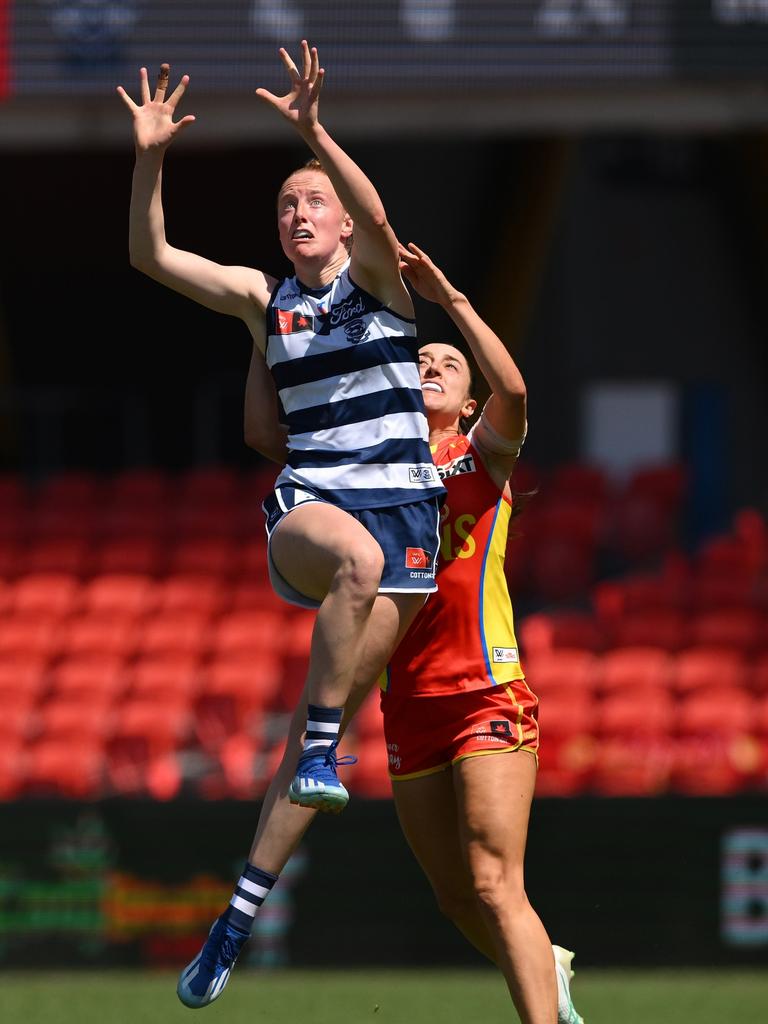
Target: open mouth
(431, 386)
(301, 235)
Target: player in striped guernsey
(455, 688)
(353, 521)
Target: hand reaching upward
(153, 124)
(299, 105)
(422, 274)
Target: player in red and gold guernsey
(459, 718)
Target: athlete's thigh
(426, 810)
(310, 543)
(391, 616)
(494, 794)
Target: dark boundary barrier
(623, 881)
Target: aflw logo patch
(417, 558)
(288, 322)
(505, 655)
(423, 473)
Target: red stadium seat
(77, 720)
(252, 558)
(643, 527)
(240, 760)
(99, 635)
(626, 670)
(12, 558)
(251, 632)
(719, 709)
(725, 556)
(19, 719)
(149, 487)
(64, 522)
(664, 628)
(701, 667)
(191, 592)
(580, 480)
(22, 678)
(57, 554)
(209, 485)
(542, 632)
(49, 594)
(641, 593)
(62, 768)
(127, 595)
(567, 745)
(632, 765)
(716, 764)
(122, 522)
(757, 676)
(212, 521)
(743, 628)
(578, 521)
(137, 555)
(562, 670)
(666, 483)
(215, 555)
(89, 677)
(70, 490)
(560, 568)
(255, 595)
(165, 677)
(28, 636)
(714, 591)
(175, 633)
(647, 713)
(13, 758)
(233, 698)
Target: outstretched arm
(238, 291)
(505, 410)
(374, 263)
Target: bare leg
(467, 828)
(281, 824)
(326, 554)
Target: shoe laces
(332, 759)
(222, 952)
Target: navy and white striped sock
(250, 892)
(322, 726)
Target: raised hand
(427, 279)
(299, 105)
(153, 124)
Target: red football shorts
(426, 734)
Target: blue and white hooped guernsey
(347, 377)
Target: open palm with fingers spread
(153, 124)
(299, 105)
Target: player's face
(311, 220)
(445, 384)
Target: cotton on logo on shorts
(417, 558)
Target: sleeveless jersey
(347, 378)
(464, 636)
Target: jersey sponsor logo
(417, 558)
(465, 464)
(505, 655)
(356, 331)
(288, 322)
(346, 310)
(287, 296)
(425, 474)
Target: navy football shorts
(407, 534)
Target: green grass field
(382, 997)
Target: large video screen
(83, 47)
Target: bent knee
(495, 888)
(359, 572)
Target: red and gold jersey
(464, 637)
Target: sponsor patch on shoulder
(505, 655)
